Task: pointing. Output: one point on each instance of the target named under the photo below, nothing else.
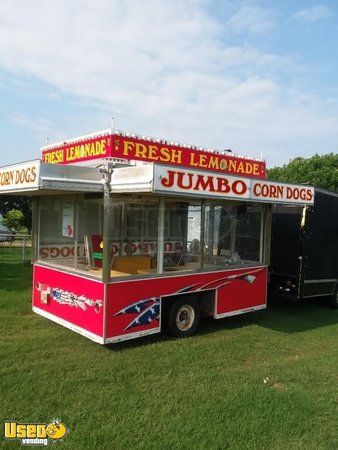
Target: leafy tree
(21, 203)
(319, 170)
(13, 219)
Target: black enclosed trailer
(304, 249)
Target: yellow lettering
(213, 162)
(152, 152)
(103, 146)
(232, 165)
(127, 147)
(21, 431)
(240, 167)
(41, 430)
(176, 156)
(31, 431)
(248, 167)
(165, 154)
(54, 157)
(86, 150)
(192, 160)
(140, 150)
(203, 161)
(10, 430)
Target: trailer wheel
(183, 317)
(334, 298)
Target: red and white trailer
(133, 235)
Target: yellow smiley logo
(56, 430)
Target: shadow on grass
(15, 276)
(281, 315)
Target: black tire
(183, 317)
(334, 298)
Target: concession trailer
(304, 249)
(133, 235)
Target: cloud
(313, 14)
(252, 19)
(162, 69)
(36, 124)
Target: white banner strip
(199, 183)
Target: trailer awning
(34, 177)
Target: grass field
(206, 392)
(15, 254)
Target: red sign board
(134, 148)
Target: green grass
(206, 392)
(14, 254)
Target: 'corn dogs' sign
(132, 148)
(20, 176)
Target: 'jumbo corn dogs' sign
(192, 182)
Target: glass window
(71, 232)
(182, 236)
(134, 238)
(89, 236)
(232, 234)
(57, 236)
(248, 232)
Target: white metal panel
(132, 179)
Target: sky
(258, 77)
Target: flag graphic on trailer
(148, 310)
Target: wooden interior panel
(131, 264)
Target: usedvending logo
(35, 434)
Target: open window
(67, 229)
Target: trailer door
(286, 249)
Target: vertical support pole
(107, 171)
(23, 244)
(76, 229)
(202, 237)
(35, 229)
(211, 230)
(267, 234)
(122, 227)
(233, 231)
(160, 236)
(261, 237)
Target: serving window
(147, 235)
